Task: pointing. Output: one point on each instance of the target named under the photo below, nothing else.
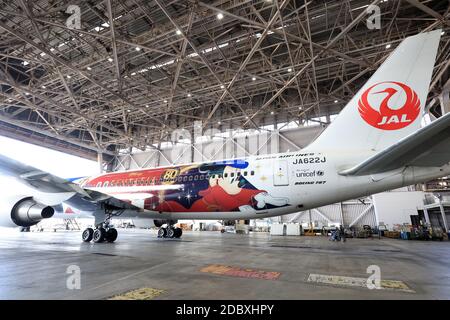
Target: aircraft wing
(47, 183)
(427, 147)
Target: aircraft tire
(99, 235)
(178, 232)
(111, 235)
(170, 233)
(162, 233)
(87, 235)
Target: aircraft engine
(23, 211)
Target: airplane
(375, 144)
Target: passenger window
(232, 174)
(195, 178)
(106, 184)
(245, 173)
(238, 174)
(99, 185)
(225, 175)
(184, 178)
(202, 177)
(252, 173)
(190, 178)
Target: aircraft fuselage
(251, 188)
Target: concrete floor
(34, 265)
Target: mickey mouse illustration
(227, 190)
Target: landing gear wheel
(162, 232)
(170, 232)
(178, 232)
(87, 235)
(99, 235)
(111, 235)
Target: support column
(100, 161)
(444, 219)
(444, 98)
(427, 216)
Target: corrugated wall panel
(350, 211)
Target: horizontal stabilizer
(427, 147)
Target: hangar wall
(220, 147)
(396, 207)
(349, 213)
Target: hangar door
(281, 173)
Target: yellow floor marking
(358, 282)
(138, 294)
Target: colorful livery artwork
(211, 187)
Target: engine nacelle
(24, 212)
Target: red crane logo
(387, 118)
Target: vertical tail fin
(390, 105)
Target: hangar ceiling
(138, 69)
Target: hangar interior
(143, 84)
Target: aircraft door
(281, 173)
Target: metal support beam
(365, 211)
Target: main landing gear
(104, 232)
(169, 232)
(99, 235)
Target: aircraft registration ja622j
(375, 144)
